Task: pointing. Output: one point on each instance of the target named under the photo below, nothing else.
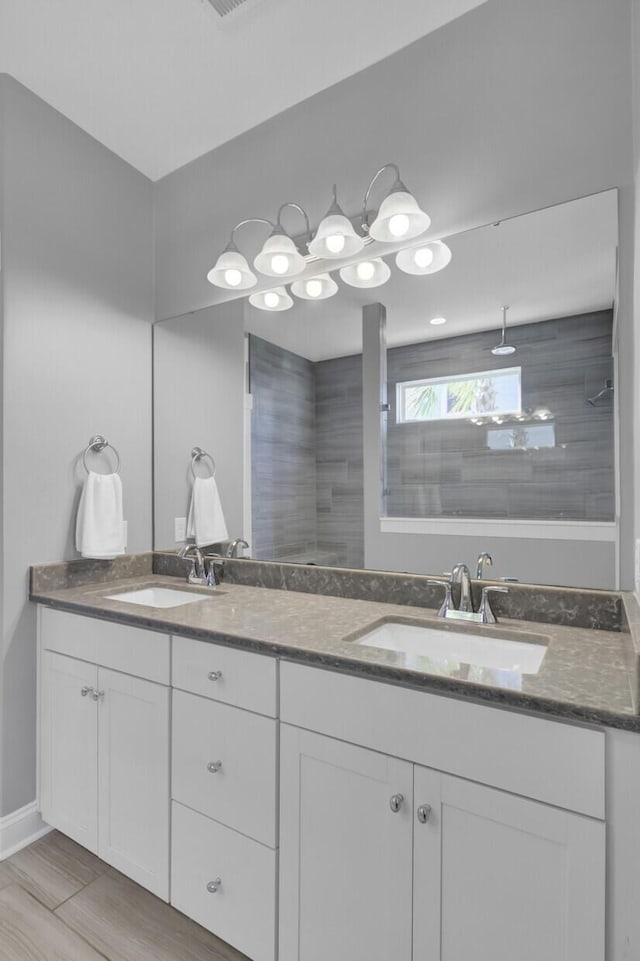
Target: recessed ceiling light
(436, 321)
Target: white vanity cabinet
(384, 857)
(224, 793)
(104, 741)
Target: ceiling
(161, 82)
(550, 263)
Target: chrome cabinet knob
(215, 675)
(85, 690)
(424, 813)
(214, 766)
(214, 886)
(395, 802)
(96, 695)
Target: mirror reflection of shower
(503, 349)
(606, 391)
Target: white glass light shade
(232, 272)
(368, 273)
(417, 260)
(315, 288)
(335, 237)
(279, 257)
(399, 218)
(275, 299)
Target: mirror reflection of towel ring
(97, 444)
(198, 454)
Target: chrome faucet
(484, 560)
(197, 573)
(460, 575)
(233, 547)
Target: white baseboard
(20, 828)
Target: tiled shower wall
(306, 451)
(307, 440)
(283, 453)
(444, 468)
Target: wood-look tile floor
(58, 902)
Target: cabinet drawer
(243, 910)
(225, 674)
(120, 647)
(241, 792)
(550, 761)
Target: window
(459, 396)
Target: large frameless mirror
(512, 451)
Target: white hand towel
(100, 524)
(206, 518)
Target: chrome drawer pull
(424, 813)
(213, 886)
(215, 675)
(96, 695)
(85, 690)
(395, 802)
(214, 766)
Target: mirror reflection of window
(447, 398)
(512, 442)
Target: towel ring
(98, 444)
(197, 454)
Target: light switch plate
(179, 529)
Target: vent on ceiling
(225, 7)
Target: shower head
(607, 389)
(503, 349)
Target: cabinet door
(498, 877)
(133, 803)
(345, 856)
(68, 745)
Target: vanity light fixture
(279, 256)
(320, 287)
(231, 270)
(335, 236)
(399, 218)
(426, 259)
(275, 299)
(366, 273)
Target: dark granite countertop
(586, 675)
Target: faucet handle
(447, 604)
(488, 617)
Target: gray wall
(481, 132)
(445, 467)
(77, 301)
(198, 402)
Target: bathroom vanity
(304, 795)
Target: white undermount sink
(159, 597)
(482, 650)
